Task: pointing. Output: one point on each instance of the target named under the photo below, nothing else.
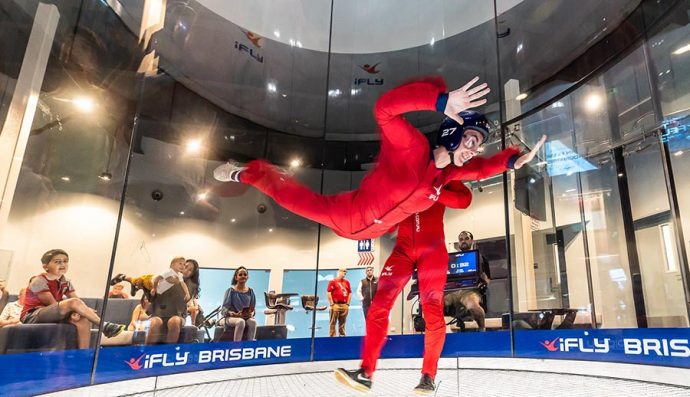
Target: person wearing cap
(408, 178)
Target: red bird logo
(371, 69)
(253, 37)
(550, 346)
(134, 364)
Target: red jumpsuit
(405, 180)
(404, 188)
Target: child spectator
(51, 298)
(169, 306)
(118, 292)
(158, 284)
(13, 310)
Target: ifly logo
(371, 69)
(594, 345)
(241, 47)
(164, 359)
(135, 364)
(363, 81)
(253, 37)
(550, 345)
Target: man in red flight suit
(420, 245)
(407, 178)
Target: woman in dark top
(191, 278)
(239, 305)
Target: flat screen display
(463, 263)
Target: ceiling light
(283, 95)
(270, 230)
(593, 102)
(620, 175)
(299, 44)
(271, 87)
(202, 195)
(276, 33)
(233, 220)
(193, 146)
(433, 40)
(84, 104)
(557, 104)
(292, 42)
(334, 93)
(682, 50)
(678, 153)
(295, 163)
(519, 47)
(65, 178)
(181, 212)
(521, 97)
(105, 176)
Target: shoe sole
(424, 392)
(347, 381)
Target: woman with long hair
(191, 278)
(239, 306)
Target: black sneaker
(426, 385)
(111, 329)
(354, 379)
(117, 279)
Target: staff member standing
(339, 295)
(367, 289)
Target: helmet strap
(452, 156)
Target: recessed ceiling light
(202, 195)
(84, 104)
(65, 178)
(270, 230)
(193, 146)
(276, 33)
(295, 163)
(233, 220)
(181, 212)
(593, 102)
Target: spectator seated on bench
(239, 307)
(51, 299)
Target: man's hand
(464, 98)
(527, 157)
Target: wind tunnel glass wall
(431, 39)
(69, 94)
(109, 154)
(598, 222)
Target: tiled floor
(401, 382)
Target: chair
(309, 303)
(276, 307)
